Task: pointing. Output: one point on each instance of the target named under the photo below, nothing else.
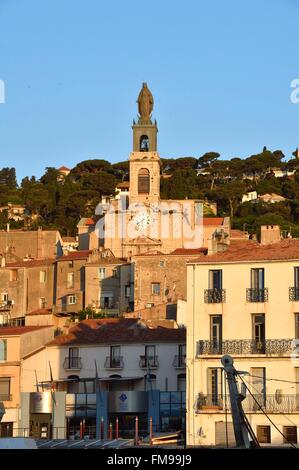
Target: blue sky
(220, 72)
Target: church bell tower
(144, 160)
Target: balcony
(257, 295)
(5, 397)
(150, 362)
(294, 294)
(246, 346)
(72, 363)
(214, 296)
(179, 362)
(115, 362)
(269, 403)
(6, 306)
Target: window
(115, 356)
(182, 355)
(42, 302)
(162, 264)
(13, 275)
(72, 300)
(6, 429)
(150, 356)
(4, 298)
(42, 276)
(143, 181)
(215, 279)
(296, 277)
(296, 325)
(257, 278)
(3, 349)
(259, 334)
(102, 272)
(71, 264)
(263, 434)
(4, 388)
(182, 382)
(70, 280)
(290, 433)
(73, 359)
(156, 288)
(114, 272)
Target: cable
(276, 380)
(266, 413)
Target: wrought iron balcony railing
(114, 362)
(214, 296)
(257, 295)
(72, 363)
(278, 403)
(179, 362)
(294, 294)
(246, 346)
(148, 362)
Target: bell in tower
(145, 131)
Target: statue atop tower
(145, 105)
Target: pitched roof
(64, 168)
(73, 255)
(19, 330)
(213, 221)
(40, 311)
(114, 330)
(188, 251)
(242, 251)
(32, 263)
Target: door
(224, 434)
(259, 334)
(115, 356)
(73, 358)
(40, 426)
(215, 395)
(216, 334)
(150, 355)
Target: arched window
(149, 382)
(143, 181)
(144, 143)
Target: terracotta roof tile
(82, 254)
(213, 221)
(19, 330)
(30, 263)
(116, 330)
(40, 311)
(240, 250)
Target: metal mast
(242, 429)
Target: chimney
(270, 234)
(7, 227)
(218, 243)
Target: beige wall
(112, 284)
(171, 276)
(237, 324)
(34, 244)
(63, 268)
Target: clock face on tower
(141, 220)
